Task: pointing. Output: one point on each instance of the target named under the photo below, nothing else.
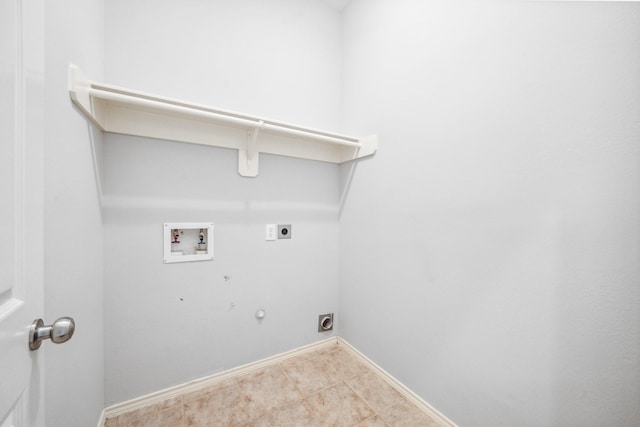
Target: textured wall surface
(489, 252)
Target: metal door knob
(60, 331)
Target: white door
(21, 209)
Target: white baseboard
(102, 419)
(159, 396)
(393, 382)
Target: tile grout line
(362, 372)
(284, 371)
(366, 402)
(343, 380)
(300, 399)
(321, 388)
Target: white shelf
(124, 111)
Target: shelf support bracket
(248, 158)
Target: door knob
(60, 331)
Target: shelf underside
(123, 111)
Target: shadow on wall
(146, 175)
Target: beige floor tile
(271, 390)
(374, 421)
(224, 408)
(171, 417)
(293, 415)
(375, 391)
(320, 352)
(345, 364)
(326, 387)
(258, 373)
(311, 375)
(407, 414)
(337, 406)
(213, 388)
(134, 418)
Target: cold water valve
(201, 246)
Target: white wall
(276, 58)
(167, 324)
(489, 252)
(74, 379)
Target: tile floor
(327, 387)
